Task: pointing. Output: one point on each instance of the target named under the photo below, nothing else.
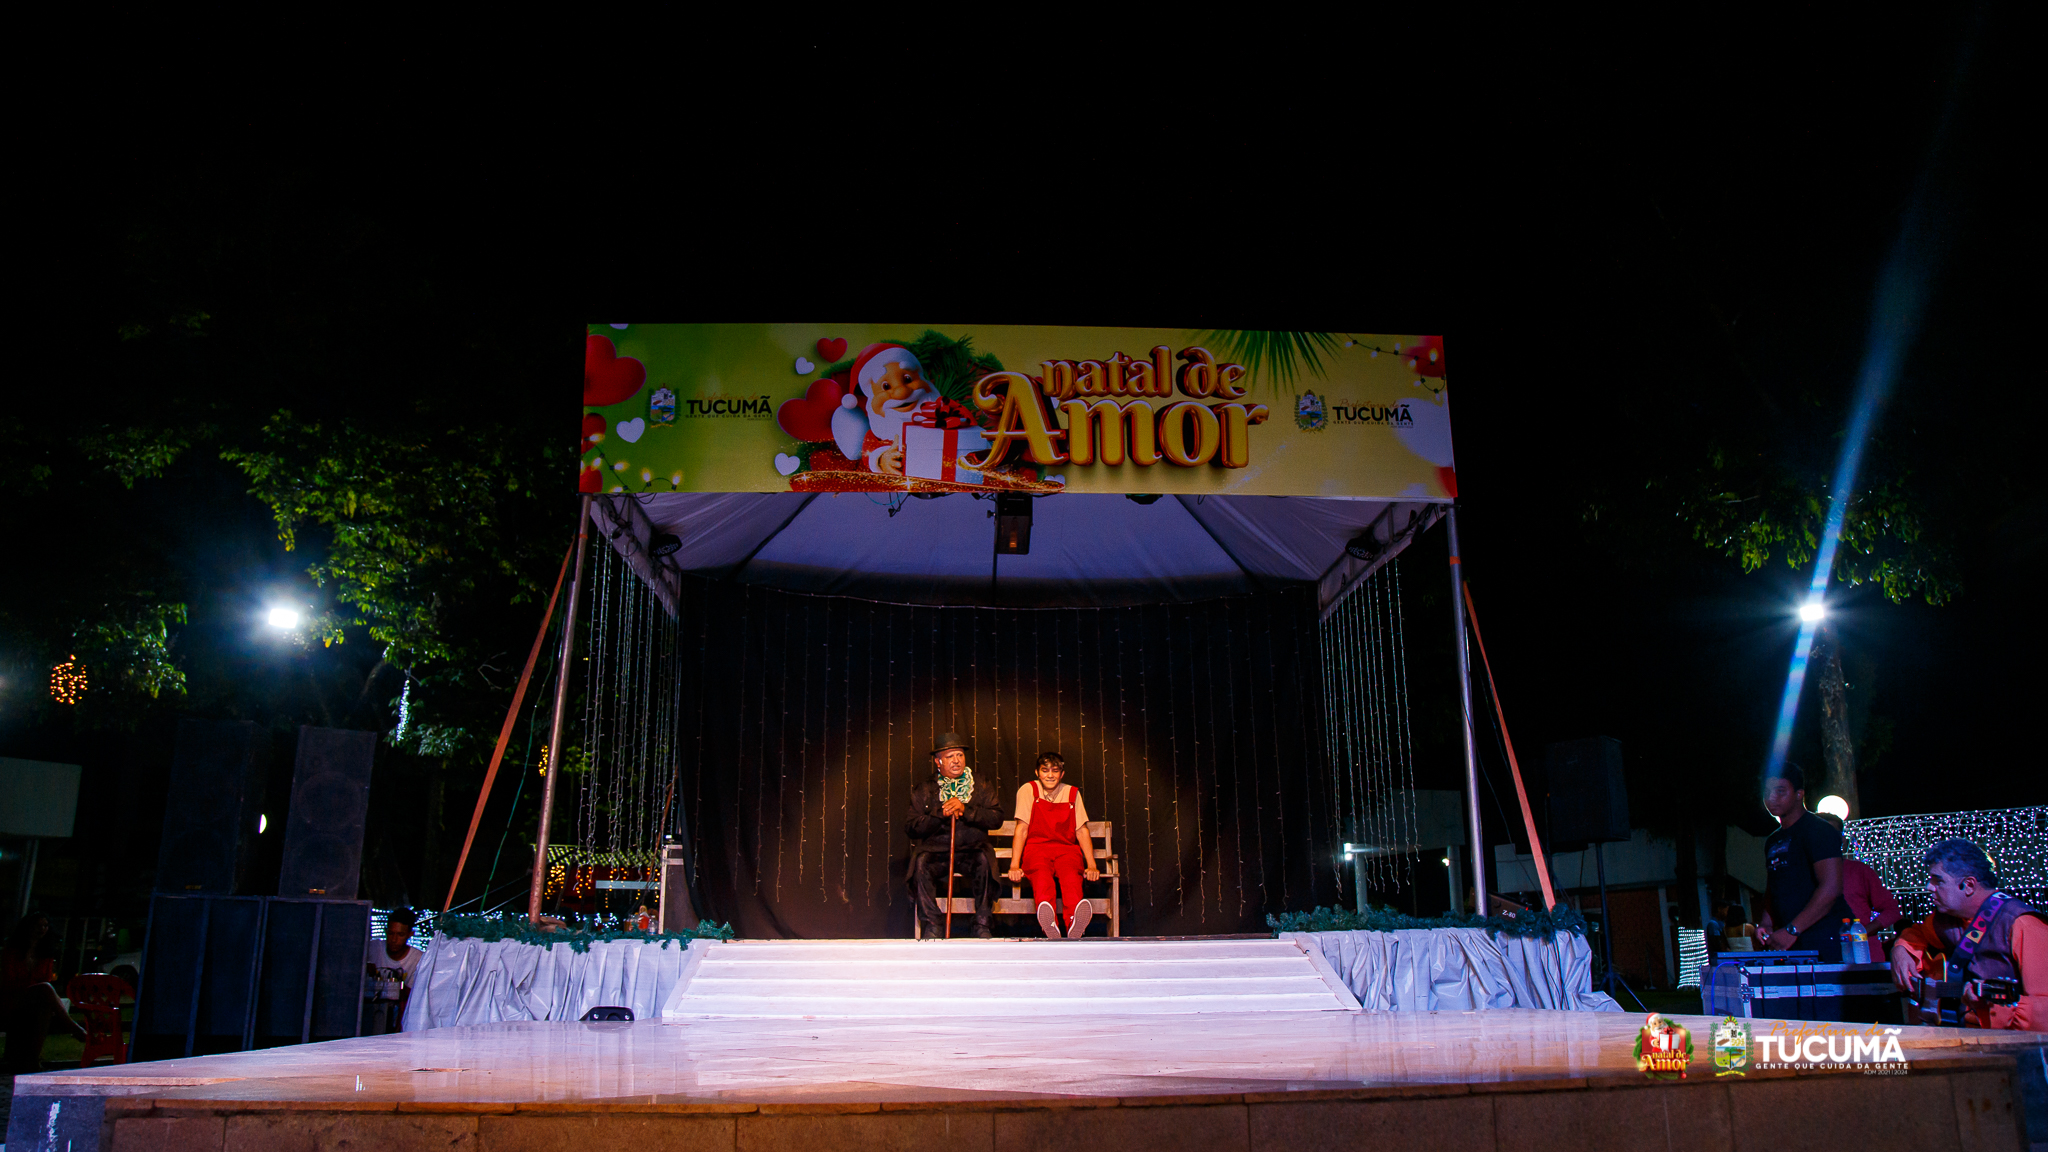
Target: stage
(1000, 1074)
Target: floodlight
(283, 618)
(1833, 806)
(1812, 612)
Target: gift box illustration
(934, 439)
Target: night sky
(1631, 241)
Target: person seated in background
(1868, 899)
(1053, 848)
(29, 1003)
(2013, 941)
(393, 963)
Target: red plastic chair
(98, 995)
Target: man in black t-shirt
(1805, 909)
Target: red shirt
(18, 971)
(1870, 900)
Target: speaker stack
(224, 970)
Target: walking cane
(952, 835)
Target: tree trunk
(1839, 753)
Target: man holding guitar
(1980, 959)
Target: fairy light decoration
(1367, 730)
(67, 681)
(2016, 839)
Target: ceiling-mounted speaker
(1013, 524)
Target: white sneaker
(1049, 919)
(1083, 912)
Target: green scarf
(961, 789)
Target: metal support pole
(1606, 922)
(1475, 829)
(547, 796)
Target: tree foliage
(416, 521)
(1754, 514)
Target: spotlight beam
(1897, 306)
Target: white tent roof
(1086, 550)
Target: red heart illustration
(832, 350)
(589, 480)
(593, 428)
(809, 416)
(608, 377)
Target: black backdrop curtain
(1194, 729)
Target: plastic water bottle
(1857, 941)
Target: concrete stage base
(1514, 1079)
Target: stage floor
(1230, 1076)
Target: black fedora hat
(949, 741)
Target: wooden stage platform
(1513, 1079)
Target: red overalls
(1051, 850)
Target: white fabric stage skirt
(1461, 969)
(484, 982)
(463, 982)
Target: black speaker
(229, 973)
(310, 983)
(210, 815)
(1588, 799)
(323, 839)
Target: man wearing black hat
(950, 817)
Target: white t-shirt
(393, 976)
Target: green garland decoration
(577, 856)
(493, 928)
(1539, 925)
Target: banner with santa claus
(933, 408)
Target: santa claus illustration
(889, 384)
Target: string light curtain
(2016, 839)
(782, 733)
(1368, 741)
(626, 765)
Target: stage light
(1833, 806)
(1812, 612)
(284, 619)
(664, 544)
(1363, 546)
(1447, 861)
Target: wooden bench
(1018, 904)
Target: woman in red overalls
(1053, 844)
